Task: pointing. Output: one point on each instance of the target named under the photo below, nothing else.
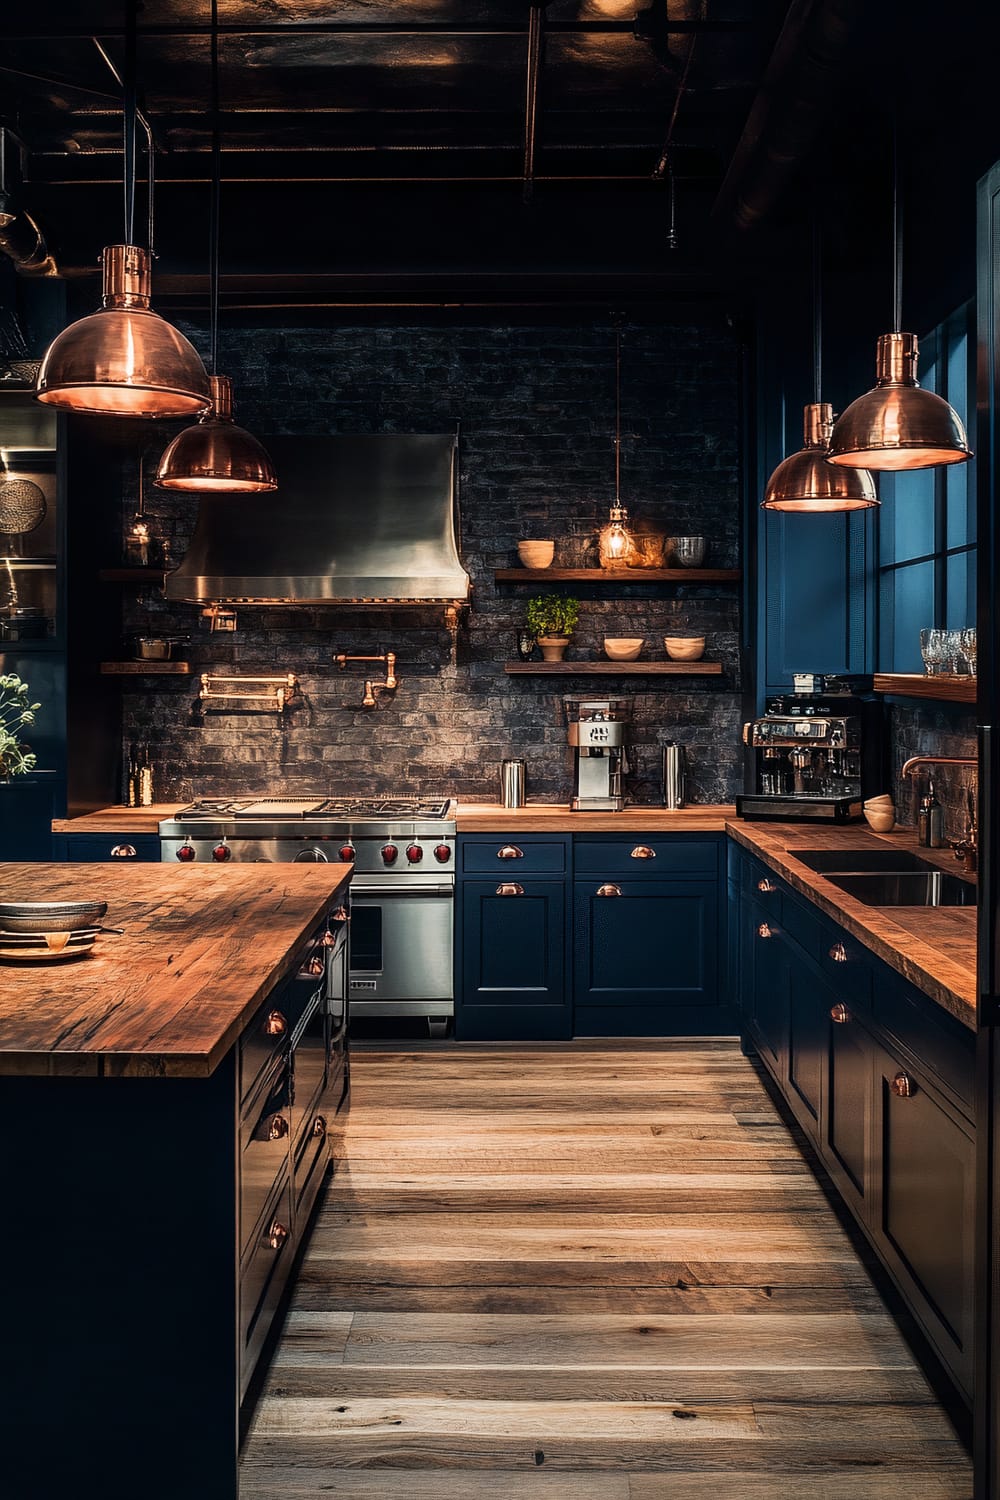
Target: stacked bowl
(48, 931)
(880, 813)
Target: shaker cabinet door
(768, 982)
(512, 955)
(846, 1142)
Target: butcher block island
(176, 1094)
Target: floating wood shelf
(613, 668)
(617, 575)
(913, 685)
(145, 668)
(133, 575)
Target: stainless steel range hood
(356, 519)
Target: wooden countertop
(556, 817)
(119, 819)
(202, 947)
(933, 947)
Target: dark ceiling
(388, 141)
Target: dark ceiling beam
(30, 33)
(796, 94)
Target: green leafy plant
(16, 713)
(552, 614)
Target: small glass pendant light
(216, 455)
(615, 546)
(124, 360)
(805, 482)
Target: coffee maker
(816, 753)
(596, 731)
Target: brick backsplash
(937, 729)
(536, 407)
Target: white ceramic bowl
(623, 647)
(880, 819)
(684, 647)
(536, 554)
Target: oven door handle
(361, 891)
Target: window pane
(912, 610)
(961, 578)
(908, 519)
(960, 478)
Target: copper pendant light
(805, 482)
(215, 454)
(897, 425)
(124, 360)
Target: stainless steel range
(402, 892)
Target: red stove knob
(222, 852)
(442, 853)
(187, 852)
(414, 853)
(347, 852)
(389, 853)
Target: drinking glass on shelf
(953, 653)
(969, 647)
(932, 649)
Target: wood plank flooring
(586, 1272)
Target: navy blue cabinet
(512, 960)
(87, 847)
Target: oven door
(400, 948)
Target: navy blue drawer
(644, 856)
(499, 855)
(938, 1042)
(90, 847)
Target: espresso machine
(816, 753)
(596, 731)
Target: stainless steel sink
(932, 888)
(856, 861)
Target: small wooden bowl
(879, 819)
(623, 647)
(684, 647)
(536, 554)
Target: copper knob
(278, 1128)
(903, 1086)
(510, 888)
(838, 953)
(510, 851)
(277, 1234)
(315, 966)
(340, 914)
(275, 1024)
(643, 851)
(763, 931)
(609, 890)
(767, 886)
(319, 1126)
(840, 1014)
(124, 851)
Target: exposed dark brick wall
(932, 729)
(536, 405)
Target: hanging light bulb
(215, 454)
(897, 425)
(124, 360)
(805, 481)
(615, 546)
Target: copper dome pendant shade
(897, 425)
(215, 454)
(805, 482)
(124, 360)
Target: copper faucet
(966, 848)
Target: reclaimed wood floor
(586, 1272)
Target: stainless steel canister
(673, 775)
(512, 783)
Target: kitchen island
(170, 1096)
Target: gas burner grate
(382, 807)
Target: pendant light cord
(817, 291)
(213, 226)
(618, 415)
(129, 110)
(897, 231)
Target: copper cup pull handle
(609, 890)
(643, 851)
(275, 1024)
(510, 851)
(839, 1014)
(764, 931)
(339, 915)
(319, 1126)
(314, 966)
(838, 953)
(123, 851)
(903, 1086)
(277, 1234)
(510, 888)
(767, 886)
(278, 1128)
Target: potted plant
(552, 619)
(16, 713)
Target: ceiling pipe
(30, 33)
(794, 99)
(533, 77)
